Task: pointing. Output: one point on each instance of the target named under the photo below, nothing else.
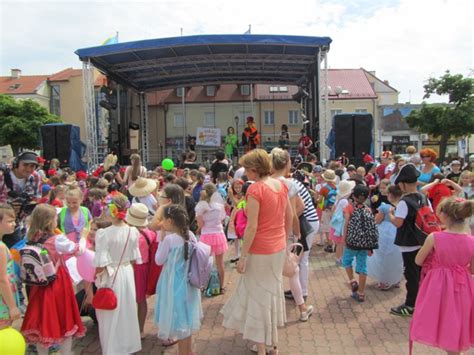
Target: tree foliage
(20, 123)
(455, 119)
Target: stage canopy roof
(207, 59)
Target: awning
(208, 59)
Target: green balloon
(11, 342)
(167, 164)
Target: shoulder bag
(105, 298)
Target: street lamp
(236, 119)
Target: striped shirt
(309, 210)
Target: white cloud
(405, 41)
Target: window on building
(361, 110)
(209, 119)
(245, 90)
(269, 118)
(275, 89)
(293, 117)
(335, 112)
(55, 103)
(178, 120)
(211, 90)
(180, 92)
(283, 88)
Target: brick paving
(339, 324)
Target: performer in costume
(250, 136)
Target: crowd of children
(140, 227)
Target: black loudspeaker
(353, 136)
(57, 142)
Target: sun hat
(137, 215)
(142, 187)
(345, 188)
(408, 174)
(329, 175)
(455, 162)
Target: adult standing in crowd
(428, 167)
(219, 165)
(190, 161)
(257, 306)
(134, 171)
(20, 187)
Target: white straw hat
(137, 215)
(142, 187)
(345, 188)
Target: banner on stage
(210, 137)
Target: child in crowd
(178, 310)
(466, 181)
(74, 218)
(404, 219)
(358, 240)
(116, 250)
(328, 193)
(444, 310)
(210, 213)
(9, 298)
(337, 220)
(238, 220)
(386, 264)
(56, 301)
(222, 185)
(45, 192)
(439, 189)
(142, 191)
(198, 186)
(57, 196)
(138, 217)
(96, 201)
(380, 195)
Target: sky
(403, 41)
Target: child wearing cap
(455, 173)
(404, 219)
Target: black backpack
(362, 232)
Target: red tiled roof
(27, 84)
(352, 80)
(65, 74)
(224, 93)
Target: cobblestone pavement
(339, 324)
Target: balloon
(167, 164)
(85, 265)
(11, 342)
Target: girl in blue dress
(178, 305)
(386, 263)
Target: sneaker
(288, 295)
(234, 260)
(403, 311)
(306, 314)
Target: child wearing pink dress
(210, 214)
(444, 309)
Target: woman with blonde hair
(257, 306)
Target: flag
(248, 31)
(111, 40)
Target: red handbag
(105, 298)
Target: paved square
(339, 325)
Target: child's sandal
(359, 297)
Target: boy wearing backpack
(361, 237)
(404, 218)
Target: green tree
(20, 123)
(455, 119)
